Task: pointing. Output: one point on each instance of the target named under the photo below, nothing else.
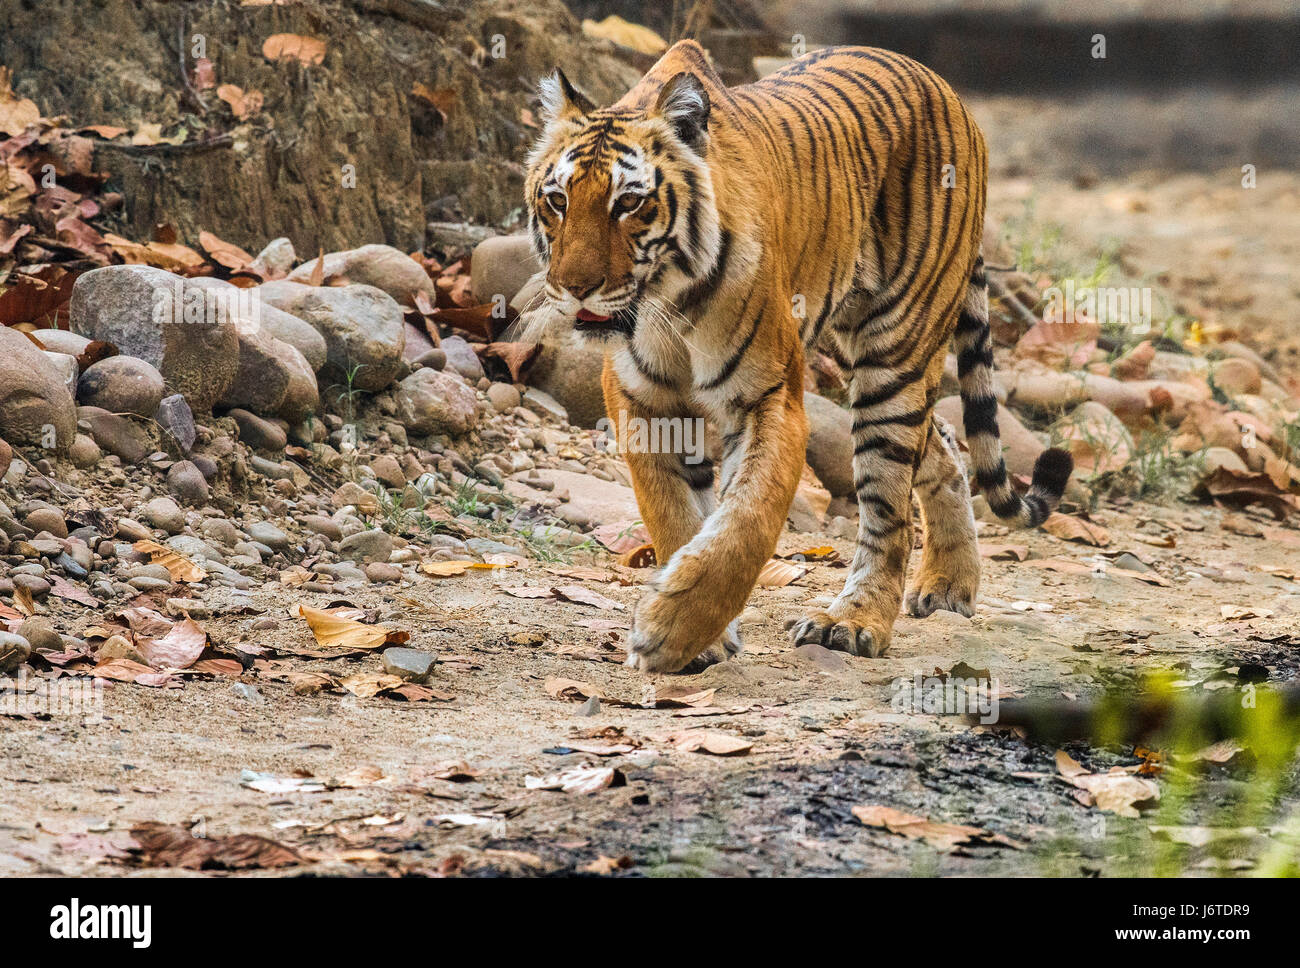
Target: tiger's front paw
(856, 634)
(670, 633)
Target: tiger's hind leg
(949, 575)
(891, 411)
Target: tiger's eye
(628, 202)
(557, 201)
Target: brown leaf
(23, 600)
(1070, 528)
(1118, 791)
(778, 574)
(178, 566)
(337, 632)
(1234, 487)
(16, 113)
(944, 836)
(517, 357)
(1058, 344)
(570, 689)
(585, 596)
(1004, 552)
(171, 845)
(450, 569)
(291, 47)
(180, 648)
(224, 253)
(243, 104)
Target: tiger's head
(620, 204)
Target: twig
(207, 144)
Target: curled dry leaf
(1059, 344)
(450, 569)
(291, 47)
(23, 600)
(1118, 791)
(571, 689)
(178, 566)
(171, 845)
(778, 574)
(337, 632)
(243, 104)
(1069, 528)
(1237, 613)
(224, 253)
(180, 648)
(582, 779)
(944, 836)
(585, 596)
(1004, 552)
(709, 741)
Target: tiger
(708, 238)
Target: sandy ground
(824, 737)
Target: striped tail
(974, 347)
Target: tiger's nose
(581, 290)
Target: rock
(164, 513)
(264, 532)
(177, 420)
(363, 327)
(503, 397)
(1236, 376)
(371, 545)
(388, 471)
(352, 494)
(132, 530)
(46, 519)
(319, 524)
(380, 572)
(590, 502)
(84, 453)
(35, 584)
(276, 260)
(1096, 438)
(185, 329)
(569, 372)
(462, 359)
(808, 509)
(62, 341)
(274, 379)
(36, 408)
(6, 456)
(589, 708)
(381, 266)
(409, 664)
(120, 436)
(187, 482)
(14, 651)
(500, 266)
(67, 367)
(1231, 348)
(258, 433)
(434, 359)
(121, 384)
(41, 634)
(1222, 457)
(434, 402)
(830, 443)
(544, 405)
(1020, 448)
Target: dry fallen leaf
(1004, 552)
(944, 836)
(778, 574)
(224, 253)
(450, 569)
(708, 741)
(1070, 528)
(1236, 613)
(243, 104)
(178, 566)
(23, 600)
(1118, 791)
(171, 845)
(337, 632)
(582, 779)
(180, 648)
(585, 596)
(289, 47)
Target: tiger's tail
(974, 347)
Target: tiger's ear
(560, 99)
(684, 104)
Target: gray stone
(164, 513)
(84, 452)
(36, 408)
(14, 651)
(462, 359)
(543, 404)
(501, 266)
(41, 634)
(380, 572)
(120, 436)
(46, 519)
(409, 664)
(434, 359)
(326, 527)
(184, 328)
(381, 266)
(62, 341)
(188, 483)
(363, 327)
(569, 371)
(589, 708)
(176, 418)
(276, 260)
(258, 433)
(435, 402)
(371, 545)
(67, 367)
(503, 397)
(830, 443)
(264, 532)
(121, 384)
(274, 379)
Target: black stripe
(733, 361)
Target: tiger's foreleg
(703, 587)
(674, 493)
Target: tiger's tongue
(588, 317)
